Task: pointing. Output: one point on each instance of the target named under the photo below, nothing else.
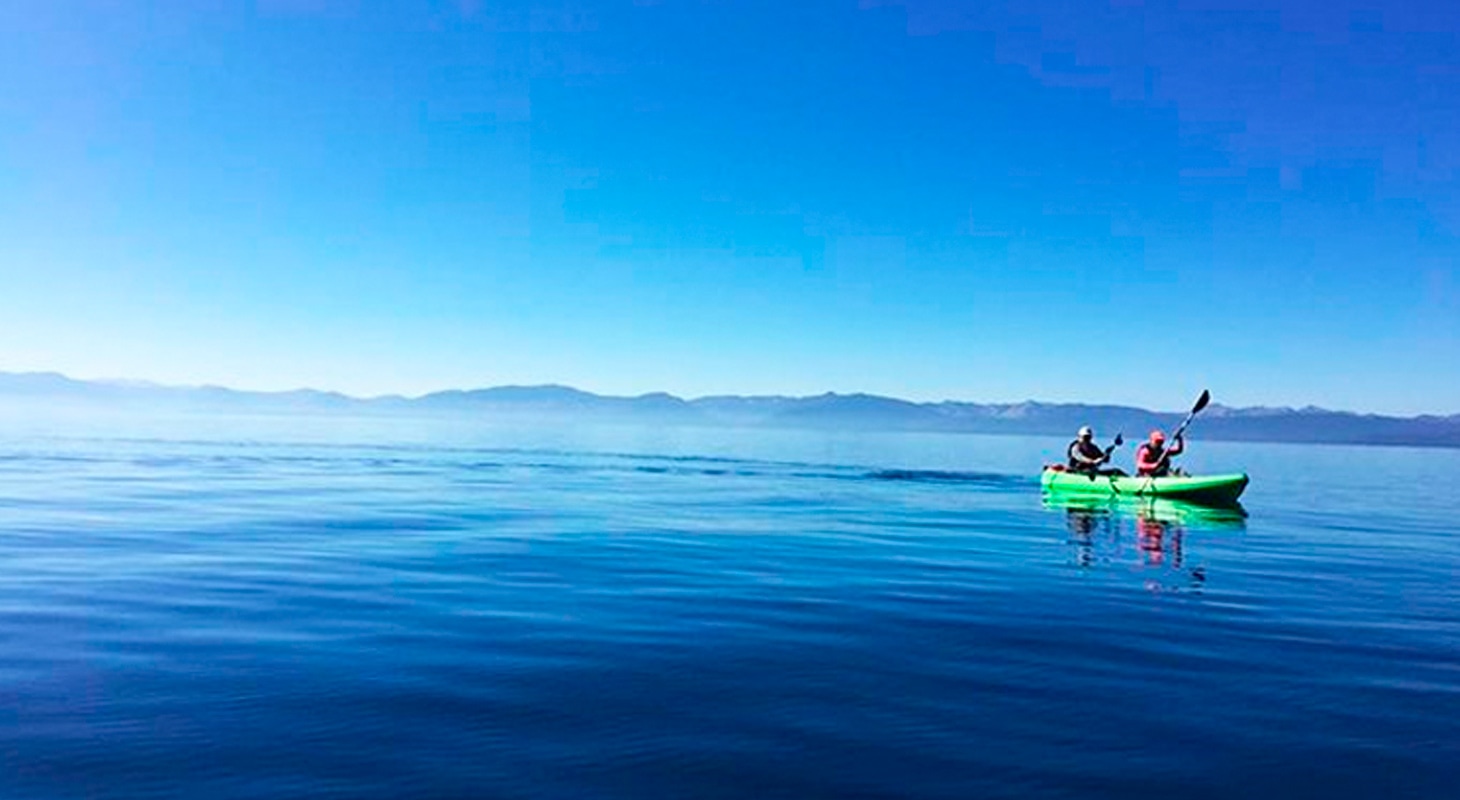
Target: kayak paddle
(1119, 440)
(1201, 403)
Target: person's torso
(1151, 455)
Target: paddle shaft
(1201, 403)
(1180, 429)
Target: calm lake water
(363, 608)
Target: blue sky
(1078, 201)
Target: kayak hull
(1222, 489)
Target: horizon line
(152, 384)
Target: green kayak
(1208, 489)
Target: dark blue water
(246, 608)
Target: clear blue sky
(1081, 201)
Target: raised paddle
(1201, 403)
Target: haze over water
(263, 608)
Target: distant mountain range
(826, 411)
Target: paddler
(1085, 456)
(1153, 459)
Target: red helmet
(1158, 437)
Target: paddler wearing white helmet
(1084, 455)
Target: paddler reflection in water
(1153, 459)
(1151, 533)
(1085, 456)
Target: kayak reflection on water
(1098, 530)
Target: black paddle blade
(1118, 440)
(1201, 402)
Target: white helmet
(1086, 431)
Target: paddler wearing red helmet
(1153, 459)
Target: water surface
(373, 608)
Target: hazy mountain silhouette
(825, 411)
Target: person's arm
(1178, 447)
